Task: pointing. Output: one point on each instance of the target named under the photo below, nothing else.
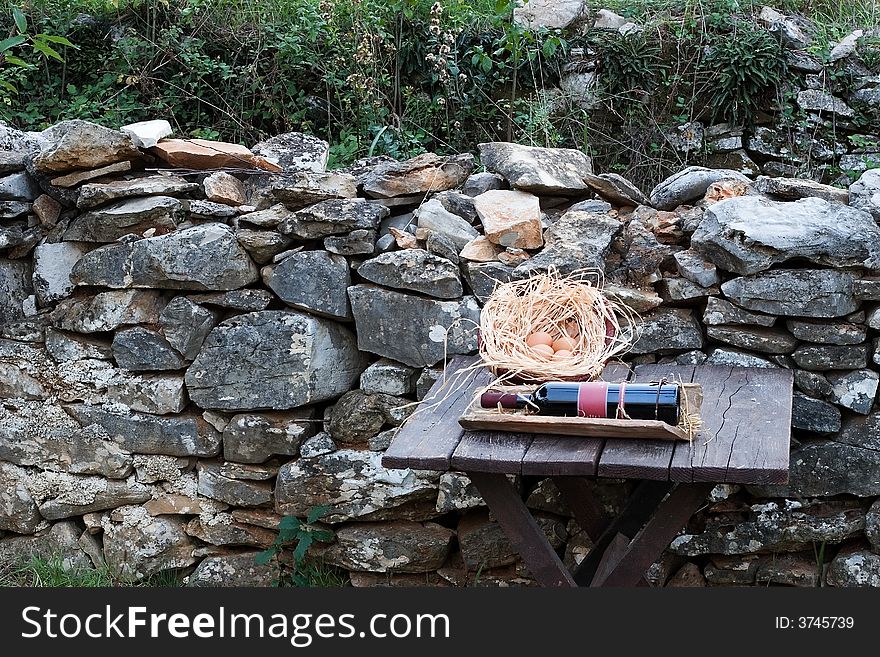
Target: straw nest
(572, 306)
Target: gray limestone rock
(137, 545)
(549, 171)
(754, 338)
(53, 264)
(814, 415)
(262, 245)
(674, 289)
(803, 292)
(872, 525)
(736, 358)
(353, 483)
(864, 193)
(411, 329)
(666, 329)
(63, 347)
(82, 145)
(160, 394)
(18, 187)
(718, 311)
(689, 185)
(577, 240)
(305, 188)
(107, 311)
(222, 529)
(273, 360)
(60, 541)
(456, 492)
(424, 173)
(63, 495)
(826, 468)
(397, 546)
(18, 511)
(831, 357)
(205, 257)
(415, 270)
(186, 324)
(434, 217)
(854, 390)
(388, 377)
(332, 217)
(247, 300)
(237, 492)
(859, 568)
(16, 286)
(483, 543)
(256, 437)
(159, 214)
(820, 101)
(775, 527)
(748, 234)
(233, 570)
(358, 242)
(792, 189)
(141, 350)
(839, 334)
(478, 183)
(295, 151)
(616, 189)
(173, 435)
(693, 267)
(314, 281)
(861, 432)
(359, 416)
(484, 277)
(317, 445)
(94, 194)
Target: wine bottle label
(593, 399)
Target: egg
(543, 351)
(564, 344)
(540, 337)
(562, 354)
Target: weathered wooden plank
(746, 428)
(648, 544)
(555, 455)
(521, 529)
(643, 459)
(491, 451)
(428, 439)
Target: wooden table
(744, 439)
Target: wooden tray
(476, 417)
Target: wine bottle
(597, 399)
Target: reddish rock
(510, 218)
(221, 187)
(206, 154)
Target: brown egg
(564, 344)
(540, 337)
(543, 351)
(562, 354)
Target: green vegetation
(40, 571)
(400, 77)
(298, 568)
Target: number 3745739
(815, 622)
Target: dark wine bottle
(598, 399)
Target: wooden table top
(744, 438)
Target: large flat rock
(798, 292)
(273, 360)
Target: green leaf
(19, 18)
(264, 557)
(289, 523)
(56, 39)
(8, 86)
(11, 42)
(301, 548)
(16, 61)
(317, 513)
(47, 50)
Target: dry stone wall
(186, 356)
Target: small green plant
(631, 66)
(742, 69)
(39, 42)
(52, 572)
(299, 536)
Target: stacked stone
(187, 356)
